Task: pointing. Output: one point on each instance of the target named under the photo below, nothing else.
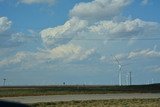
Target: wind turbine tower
(4, 81)
(127, 79)
(119, 71)
(130, 78)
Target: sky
(48, 42)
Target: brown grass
(103, 103)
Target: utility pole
(4, 81)
(130, 78)
(152, 81)
(120, 79)
(127, 79)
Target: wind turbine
(4, 81)
(129, 78)
(119, 71)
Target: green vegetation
(103, 103)
(59, 90)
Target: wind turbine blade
(117, 60)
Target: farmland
(11, 91)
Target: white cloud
(67, 53)
(75, 27)
(64, 53)
(144, 53)
(18, 37)
(157, 69)
(37, 1)
(5, 24)
(154, 68)
(130, 28)
(120, 56)
(16, 59)
(64, 33)
(102, 58)
(111, 59)
(99, 9)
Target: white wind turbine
(129, 78)
(119, 71)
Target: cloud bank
(64, 53)
(136, 27)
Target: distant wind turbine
(4, 81)
(129, 78)
(119, 70)
(155, 47)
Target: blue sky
(48, 42)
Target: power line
(95, 39)
(110, 39)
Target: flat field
(12, 91)
(103, 103)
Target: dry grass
(104, 103)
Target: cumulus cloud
(131, 28)
(37, 1)
(16, 59)
(110, 29)
(99, 9)
(5, 24)
(63, 53)
(79, 25)
(18, 37)
(12, 40)
(64, 33)
(58, 38)
(69, 52)
(144, 53)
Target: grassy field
(103, 103)
(75, 89)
